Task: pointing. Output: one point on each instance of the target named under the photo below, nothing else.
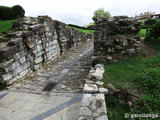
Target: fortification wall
(116, 36)
(34, 42)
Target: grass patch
(6, 25)
(86, 31)
(142, 74)
(82, 30)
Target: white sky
(80, 12)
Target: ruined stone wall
(69, 37)
(116, 36)
(32, 43)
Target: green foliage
(152, 27)
(101, 13)
(9, 13)
(138, 73)
(86, 31)
(18, 11)
(150, 22)
(142, 33)
(6, 25)
(82, 30)
(149, 78)
(91, 24)
(115, 111)
(6, 13)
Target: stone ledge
(93, 105)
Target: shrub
(8, 13)
(156, 29)
(153, 30)
(150, 21)
(142, 33)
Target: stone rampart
(34, 42)
(116, 36)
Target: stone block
(85, 111)
(86, 100)
(54, 42)
(38, 60)
(102, 117)
(14, 65)
(6, 63)
(103, 90)
(35, 27)
(99, 83)
(21, 68)
(90, 88)
(109, 58)
(47, 29)
(7, 76)
(99, 105)
(39, 41)
(36, 67)
(40, 53)
(88, 81)
(85, 118)
(47, 44)
(22, 53)
(26, 65)
(99, 66)
(131, 51)
(23, 73)
(51, 48)
(17, 70)
(14, 79)
(39, 48)
(16, 56)
(98, 74)
(22, 60)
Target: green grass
(6, 25)
(82, 30)
(142, 74)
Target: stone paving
(54, 92)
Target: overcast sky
(80, 12)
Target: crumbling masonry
(33, 42)
(116, 36)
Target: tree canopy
(101, 13)
(9, 13)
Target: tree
(18, 11)
(9, 13)
(101, 13)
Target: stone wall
(70, 37)
(116, 36)
(93, 106)
(34, 42)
